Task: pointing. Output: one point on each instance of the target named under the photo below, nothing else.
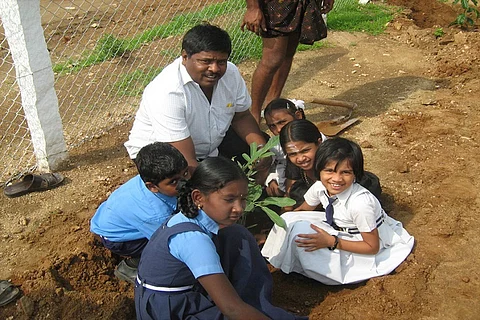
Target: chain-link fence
(103, 53)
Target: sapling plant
(255, 190)
(470, 12)
(438, 33)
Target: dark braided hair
(212, 174)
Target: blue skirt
(243, 265)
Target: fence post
(24, 33)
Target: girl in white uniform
(358, 242)
(278, 113)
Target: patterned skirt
(284, 17)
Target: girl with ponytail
(200, 263)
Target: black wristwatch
(335, 244)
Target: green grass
(245, 45)
(370, 18)
(109, 46)
(132, 84)
(316, 45)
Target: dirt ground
(417, 99)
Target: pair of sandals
(8, 292)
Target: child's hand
(273, 190)
(315, 241)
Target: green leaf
(246, 157)
(249, 207)
(275, 217)
(438, 32)
(254, 192)
(267, 154)
(240, 165)
(460, 19)
(253, 148)
(250, 175)
(278, 201)
(272, 142)
(465, 4)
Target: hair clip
(300, 104)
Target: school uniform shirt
(180, 252)
(355, 207)
(196, 249)
(174, 107)
(132, 212)
(278, 168)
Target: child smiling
(353, 240)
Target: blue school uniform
(129, 217)
(132, 212)
(166, 286)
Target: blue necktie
(329, 210)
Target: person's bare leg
(280, 77)
(273, 54)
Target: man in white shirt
(193, 102)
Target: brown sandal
(8, 292)
(34, 182)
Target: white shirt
(174, 107)
(356, 207)
(279, 163)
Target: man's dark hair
(206, 37)
(158, 161)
